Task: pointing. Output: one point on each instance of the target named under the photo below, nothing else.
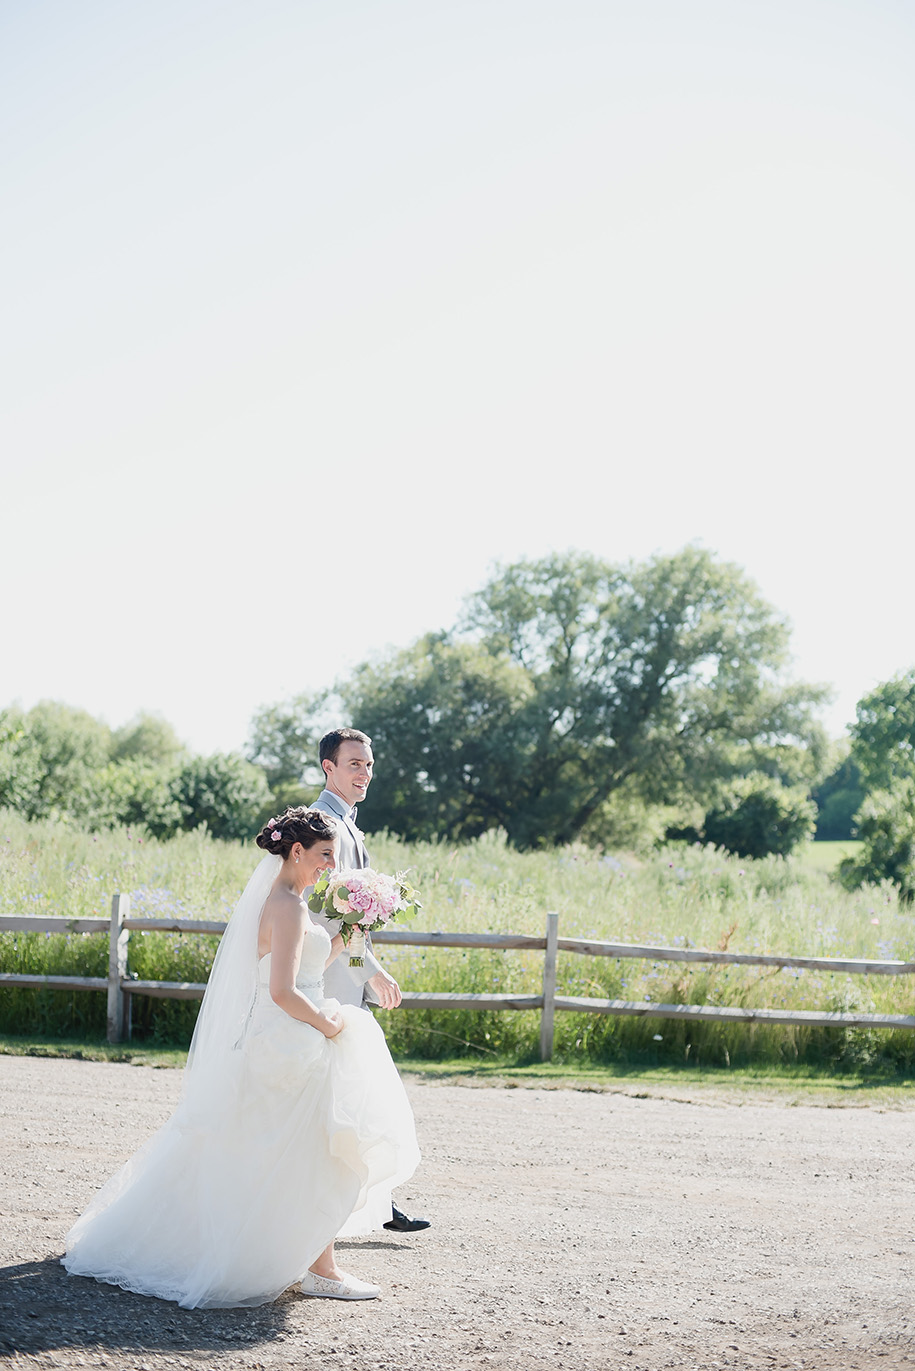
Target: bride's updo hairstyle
(298, 825)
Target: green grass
(826, 856)
(681, 895)
(132, 1053)
(783, 1085)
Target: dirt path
(571, 1230)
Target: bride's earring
(296, 859)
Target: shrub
(223, 791)
(137, 792)
(759, 816)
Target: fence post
(118, 1002)
(548, 1012)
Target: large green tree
(883, 734)
(284, 740)
(569, 678)
(449, 724)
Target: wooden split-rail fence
(119, 985)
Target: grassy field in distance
(680, 895)
(826, 856)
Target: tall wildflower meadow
(679, 896)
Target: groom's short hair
(330, 743)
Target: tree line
(574, 699)
(60, 762)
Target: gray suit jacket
(343, 982)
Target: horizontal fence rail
(120, 986)
(850, 966)
(822, 1018)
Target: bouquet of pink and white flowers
(365, 901)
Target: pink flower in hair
(276, 835)
(271, 823)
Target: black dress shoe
(400, 1223)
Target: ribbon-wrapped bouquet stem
(364, 900)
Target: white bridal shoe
(349, 1288)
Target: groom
(347, 762)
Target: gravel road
(573, 1231)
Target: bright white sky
(310, 312)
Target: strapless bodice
(310, 975)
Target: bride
(292, 1129)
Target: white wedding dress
(283, 1140)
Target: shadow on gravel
(42, 1308)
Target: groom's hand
(386, 989)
